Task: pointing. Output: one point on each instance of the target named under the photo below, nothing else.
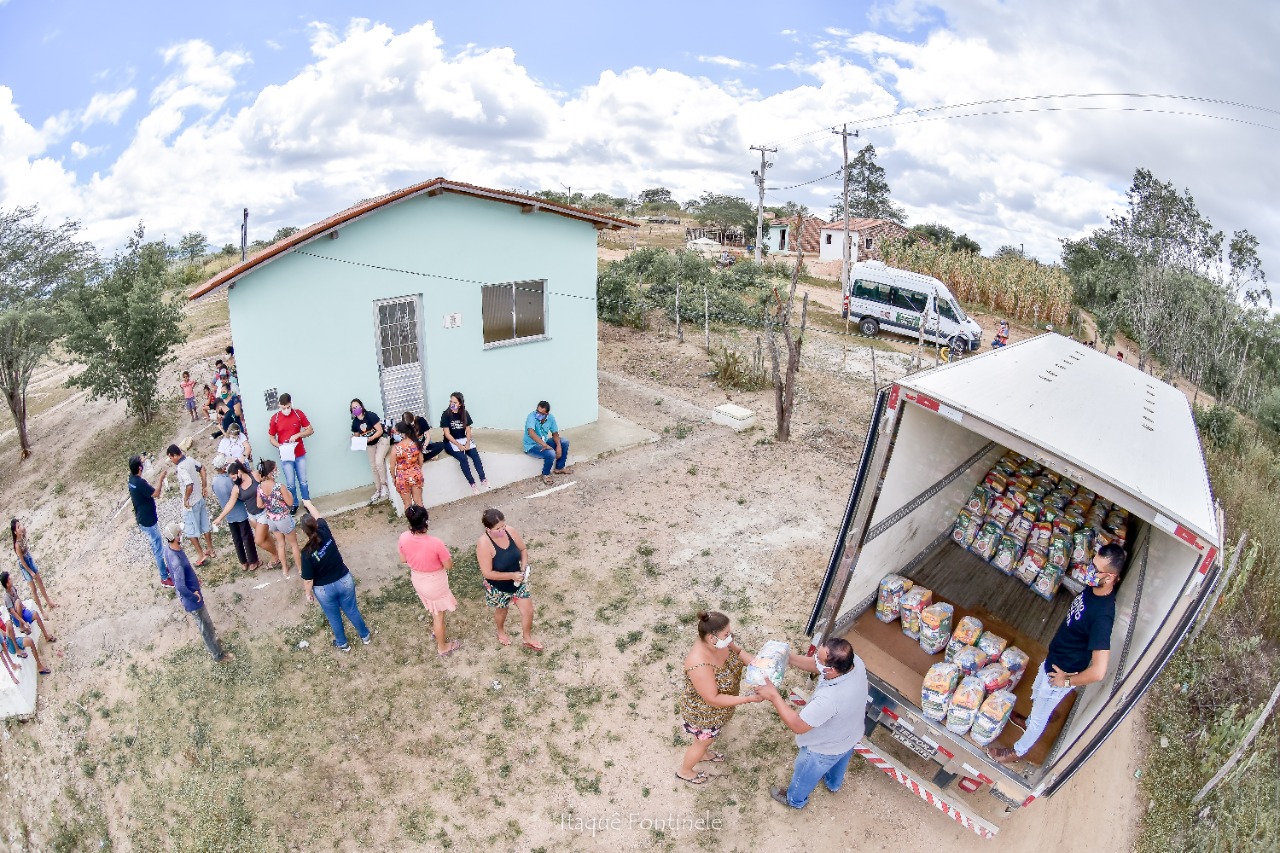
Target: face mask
(540, 417)
(1091, 577)
(357, 412)
(453, 407)
(821, 665)
(725, 643)
(286, 410)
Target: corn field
(1020, 288)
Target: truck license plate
(911, 741)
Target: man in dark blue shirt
(1079, 652)
(144, 512)
(187, 586)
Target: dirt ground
(298, 747)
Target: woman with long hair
(456, 422)
(368, 425)
(27, 563)
(429, 563)
(407, 456)
(328, 580)
(275, 501)
(503, 560)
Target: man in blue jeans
(542, 439)
(144, 512)
(829, 726)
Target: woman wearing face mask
(456, 424)
(712, 673)
(367, 425)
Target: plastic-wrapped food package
(1040, 534)
(889, 601)
(770, 664)
(913, 601)
(1047, 582)
(991, 717)
(935, 627)
(968, 630)
(953, 646)
(994, 676)
(970, 659)
(964, 705)
(984, 544)
(1008, 550)
(996, 481)
(1082, 547)
(1066, 525)
(933, 704)
(1059, 552)
(991, 644)
(1020, 526)
(1033, 560)
(978, 501)
(1016, 661)
(1002, 510)
(942, 677)
(960, 530)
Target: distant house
(780, 235)
(867, 234)
(394, 302)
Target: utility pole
(244, 236)
(759, 176)
(844, 135)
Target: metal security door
(400, 357)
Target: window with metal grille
(398, 332)
(514, 311)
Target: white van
(896, 300)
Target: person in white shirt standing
(195, 512)
(829, 726)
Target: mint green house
(408, 297)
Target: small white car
(898, 300)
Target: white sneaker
(475, 490)
(487, 487)
(376, 496)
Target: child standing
(189, 394)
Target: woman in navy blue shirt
(456, 423)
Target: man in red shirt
(288, 427)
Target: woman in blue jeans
(456, 423)
(329, 581)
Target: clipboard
(288, 451)
(358, 442)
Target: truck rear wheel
(869, 327)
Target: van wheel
(869, 327)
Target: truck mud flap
(924, 790)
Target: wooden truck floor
(974, 588)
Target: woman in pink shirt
(429, 563)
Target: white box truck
(933, 436)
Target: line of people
(18, 622)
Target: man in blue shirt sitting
(542, 439)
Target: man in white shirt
(829, 726)
(195, 512)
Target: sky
(180, 116)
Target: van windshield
(955, 306)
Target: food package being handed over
(968, 630)
(770, 665)
(935, 693)
(964, 705)
(935, 627)
(1016, 661)
(889, 600)
(992, 717)
(913, 601)
(991, 644)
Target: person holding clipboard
(287, 428)
(456, 423)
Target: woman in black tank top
(504, 561)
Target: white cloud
(107, 106)
(273, 44)
(727, 62)
(375, 110)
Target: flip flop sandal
(453, 647)
(504, 644)
(203, 561)
(536, 648)
(716, 757)
(46, 672)
(699, 779)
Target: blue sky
(181, 115)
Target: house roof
(435, 186)
(808, 221)
(858, 223)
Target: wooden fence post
(1244, 744)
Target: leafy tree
(656, 195)
(192, 247)
(944, 237)
(284, 233)
(787, 210)
(230, 249)
(725, 211)
(1009, 251)
(868, 190)
(38, 264)
(122, 327)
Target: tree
(192, 247)
(779, 317)
(38, 264)
(944, 237)
(725, 211)
(787, 210)
(122, 328)
(284, 233)
(655, 195)
(868, 190)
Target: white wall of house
(829, 244)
